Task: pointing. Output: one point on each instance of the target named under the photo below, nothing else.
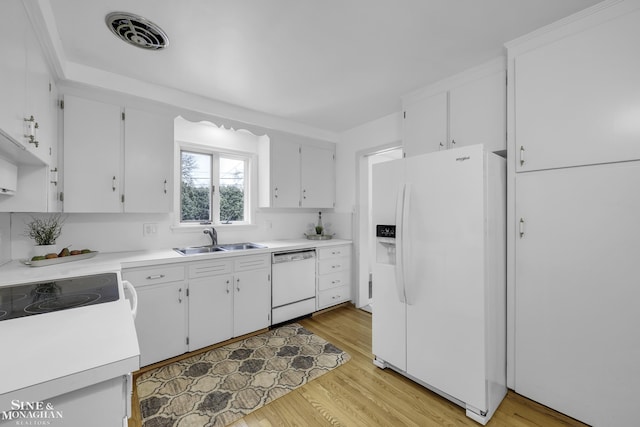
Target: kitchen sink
(195, 250)
(241, 246)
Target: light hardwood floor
(360, 394)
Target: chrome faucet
(213, 234)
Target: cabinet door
(577, 98)
(13, 32)
(161, 322)
(576, 291)
(478, 113)
(37, 99)
(92, 152)
(53, 182)
(251, 301)
(285, 174)
(425, 125)
(318, 177)
(148, 161)
(210, 310)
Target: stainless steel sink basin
(241, 246)
(195, 250)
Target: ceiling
(330, 64)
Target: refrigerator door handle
(406, 236)
(399, 270)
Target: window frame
(250, 185)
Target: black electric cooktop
(45, 297)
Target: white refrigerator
(439, 285)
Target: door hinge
(61, 196)
(269, 317)
(123, 115)
(49, 86)
(300, 150)
(62, 104)
(122, 198)
(268, 277)
(187, 340)
(187, 291)
(404, 114)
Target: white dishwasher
(293, 284)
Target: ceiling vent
(137, 30)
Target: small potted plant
(45, 231)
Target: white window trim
(251, 200)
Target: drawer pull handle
(335, 281)
(156, 276)
(335, 266)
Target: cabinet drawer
(334, 252)
(334, 296)
(154, 275)
(334, 265)
(255, 262)
(334, 280)
(210, 268)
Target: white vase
(42, 250)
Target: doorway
(364, 230)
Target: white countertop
(54, 353)
(15, 272)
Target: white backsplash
(124, 232)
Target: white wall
(124, 232)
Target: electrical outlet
(150, 229)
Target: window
(214, 188)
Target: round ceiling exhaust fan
(137, 31)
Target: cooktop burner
(61, 303)
(46, 297)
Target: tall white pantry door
(577, 291)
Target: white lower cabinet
(210, 309)
(252, 300)
(228, 298)
(161, 323)
(334, 276)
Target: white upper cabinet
(284, 191)
(425, 125)
(577, 97)
(24, 82)
(294, 175)
(465, 109)
(116, 160)
(13, 33)
(148, 161)
(92, 156)
(317, 179)
(478, 113)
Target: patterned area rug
(224, 384)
